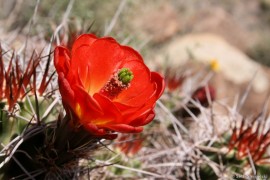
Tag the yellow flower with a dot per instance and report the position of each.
(214, 65)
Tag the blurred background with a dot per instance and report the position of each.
(214, 55)
(236, 34)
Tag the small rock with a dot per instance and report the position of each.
(218, 21)
(234, 65)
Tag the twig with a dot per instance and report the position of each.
(212, 149)
(251, 162)
(32, 21)
(64, 21)
(115, 17)
(56, 100)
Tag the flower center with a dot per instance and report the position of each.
(119, 81)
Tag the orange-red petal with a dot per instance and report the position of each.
(62, 59)
(65, 90)
(84, 40)
(160, 82)
(124, 128)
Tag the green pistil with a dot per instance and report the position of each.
(125, 75)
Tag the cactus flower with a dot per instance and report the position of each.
(106, 86)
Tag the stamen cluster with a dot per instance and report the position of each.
(120, 81)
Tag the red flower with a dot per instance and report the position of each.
(106, 86)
